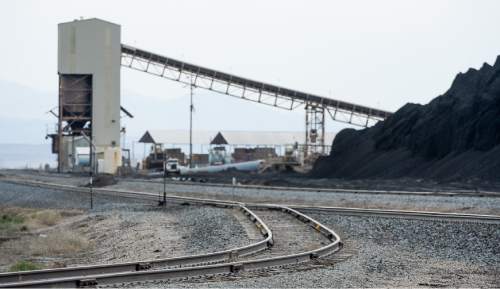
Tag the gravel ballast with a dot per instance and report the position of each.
(391, 253)
(459, 204)
(122, 229)
(462, 204)
(378, 252)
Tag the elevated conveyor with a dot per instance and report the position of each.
(261, 92)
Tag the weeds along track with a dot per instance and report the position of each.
(233, 261)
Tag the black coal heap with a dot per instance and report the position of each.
(456, 136)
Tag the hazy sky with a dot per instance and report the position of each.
(376, 53)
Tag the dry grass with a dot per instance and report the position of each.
(32, 219)
(44, 218)
(27, 233)
(58, 243)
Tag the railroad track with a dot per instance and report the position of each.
(184, 267)
(425, 215)
(285, 228)
(442, 193)
(420, 215)
(305, 208)
(230, 267)
(458, 193)
(193, 260)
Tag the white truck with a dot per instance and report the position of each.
(172, 167)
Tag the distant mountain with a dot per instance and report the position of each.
(23, 117)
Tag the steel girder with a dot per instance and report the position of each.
(246, 89)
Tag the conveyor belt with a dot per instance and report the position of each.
(245, 88)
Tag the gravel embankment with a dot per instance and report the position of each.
(389, 253)
(128, 229)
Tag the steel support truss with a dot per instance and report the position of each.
(315, 131)
(75, 112)
(251, 90)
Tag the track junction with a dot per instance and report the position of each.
(225, 262)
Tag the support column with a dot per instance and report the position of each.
(315, 130)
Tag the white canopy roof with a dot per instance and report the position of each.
(232, 137)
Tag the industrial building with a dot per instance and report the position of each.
(219, 147)
(90, 56)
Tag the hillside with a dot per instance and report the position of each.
(454, 137)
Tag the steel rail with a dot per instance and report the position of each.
(235, 267)
(442, 193)
(340, 210)
(82, 280)
(186, 272)
(183, 261)
(178, 261)
(406, 214)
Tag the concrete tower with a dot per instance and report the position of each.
(89, 56)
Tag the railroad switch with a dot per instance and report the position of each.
(235, 268)
(85, 283)
(142, 266)
(233, 256)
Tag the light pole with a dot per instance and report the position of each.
(91, 165)
(191, 108)
(164, 202)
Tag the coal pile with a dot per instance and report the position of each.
(102, 180)
(454, 137)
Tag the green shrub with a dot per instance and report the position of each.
(25, 266)
(9, 221)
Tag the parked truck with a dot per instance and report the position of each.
(172, 167)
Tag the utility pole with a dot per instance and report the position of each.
(91, 163)
(191, 108)
(164, 202)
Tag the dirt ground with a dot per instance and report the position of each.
(41, 238)
(49, 238)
